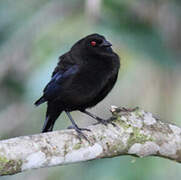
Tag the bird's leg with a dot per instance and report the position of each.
(100, 120)
(77, 129)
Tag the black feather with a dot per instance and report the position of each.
(40, 101)
(82, 78)
(51, 116)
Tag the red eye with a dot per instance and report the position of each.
(93, 43)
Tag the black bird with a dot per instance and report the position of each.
(82, 78)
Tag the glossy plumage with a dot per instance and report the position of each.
(82, 78)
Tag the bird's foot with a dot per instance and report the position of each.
(100, 120)
(77, 129)
(105, 122)
(80, 133)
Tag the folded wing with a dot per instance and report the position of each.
(53, 88)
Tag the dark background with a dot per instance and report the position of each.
(147, 37)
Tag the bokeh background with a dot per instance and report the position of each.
(147, 37)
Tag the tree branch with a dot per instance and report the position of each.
(137, 133)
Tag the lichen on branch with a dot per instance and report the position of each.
(136, 133)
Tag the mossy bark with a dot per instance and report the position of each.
(135, 133)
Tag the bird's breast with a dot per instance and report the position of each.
(90, 85)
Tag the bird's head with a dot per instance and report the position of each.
(94, 44)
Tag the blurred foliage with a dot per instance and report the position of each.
(146, 35)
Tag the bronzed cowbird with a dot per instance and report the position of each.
(82, 78)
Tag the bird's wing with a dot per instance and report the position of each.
(53, 88)
(65, 62)
(64, 70)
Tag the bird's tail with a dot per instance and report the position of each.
(51, 116)
(40, 101)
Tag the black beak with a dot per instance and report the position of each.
(105, 44)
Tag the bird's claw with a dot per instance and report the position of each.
(105, 122)
(81, 129)
(84, 129)
(80, 133)
(102, 121)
